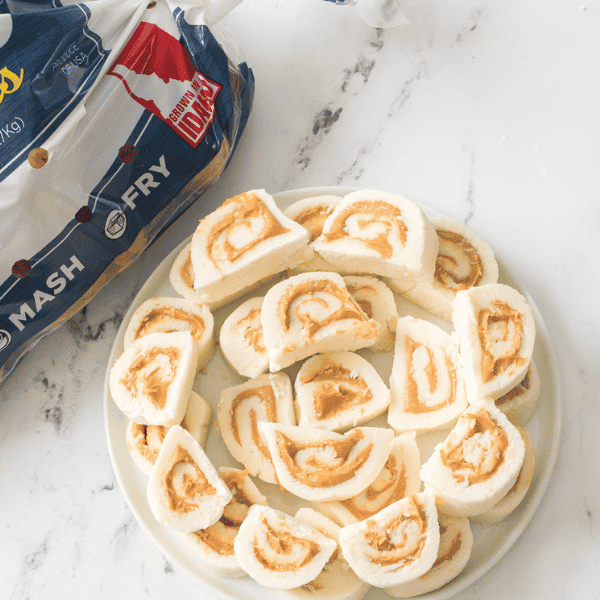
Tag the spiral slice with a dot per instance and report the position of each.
(398, 478)
(456, 543)
(519, 403)
(464, 260)
(241, 339)
(427, 385)
(495, 328)
(212, 547)
(144, 441)
(166, 315)
(152, 380)
(397, 544)
(515, 495)
(476, 465)
(279, 552)
(244, 241)
(185, 491)
(266, 398)
(379, 233)
(339, 390)
(311, 214)
(336, 581)
(311, 313)
(319, 465)
(377, 301)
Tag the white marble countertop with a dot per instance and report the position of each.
(486, 111)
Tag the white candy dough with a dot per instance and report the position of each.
(266, 398)
(456, 543)
(476, 465)
(398, 478)
(185, 491)
(241, 339)
(519, 403)
(319, 465)
(505, 506)
(397, 544)
(212, 547)
(152, 380)
(339, 390)
(377, 301)
(379, 233)
(244, 241)
(165, 315)
(463, 261)
(336, 581)
(311, 214)
(279, 552)
(144, 441)
(495, 328)
(311, 313)
(427, 385)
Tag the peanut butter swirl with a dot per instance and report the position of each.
(475, 455)
(187, 272)
(314, 218)
(250, 214)
(158, 318)
(518, 390)
(449, 546)
(336, 304)
(325, 463)
(268, 405)
(382, 219)
(183, 481)
(221, 535)
(151, 374)
(415, 396)
(389, 487)
(252, 329)
(458, 265)
(336, 390)
(499, 329)
(286, 551)
(402, 541)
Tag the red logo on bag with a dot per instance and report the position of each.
(159, 73)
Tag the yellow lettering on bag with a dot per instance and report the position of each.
(9, 82)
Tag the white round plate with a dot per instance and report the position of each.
(490, 542)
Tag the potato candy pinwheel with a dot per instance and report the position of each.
(379, 233)
(243, 242)
(152, 380)
(311, 313)
(185, 491)
(278, 551)
(476, 465)
(165, 315)
(397, 544)
(339, 390)
(266, 398)
(319, 465)
(427, 385)
(495, 328)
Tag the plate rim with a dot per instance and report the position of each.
(454, 586)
